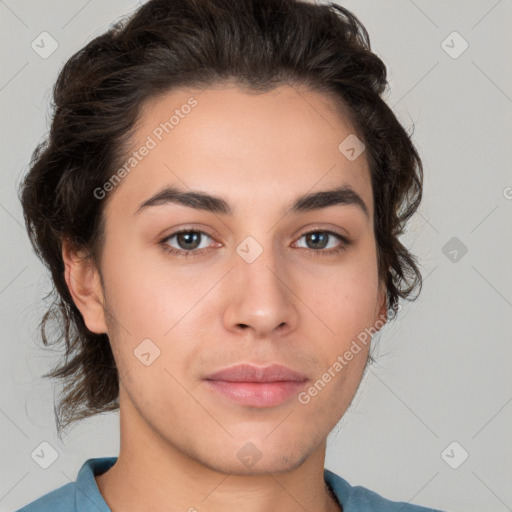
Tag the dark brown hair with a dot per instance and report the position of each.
(166, 44)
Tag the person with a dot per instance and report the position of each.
(219, 202)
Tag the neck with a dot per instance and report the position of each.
(153, 474)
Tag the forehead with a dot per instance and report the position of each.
(232, 142)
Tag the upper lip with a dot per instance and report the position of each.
(251, 373)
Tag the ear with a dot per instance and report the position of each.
(381, 310)
(84, 285)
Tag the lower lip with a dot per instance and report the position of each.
(257, 394)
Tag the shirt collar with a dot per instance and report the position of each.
(89, 498)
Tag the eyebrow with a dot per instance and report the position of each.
(343, 195)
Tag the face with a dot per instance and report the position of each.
(250, 280)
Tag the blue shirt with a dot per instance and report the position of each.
(83, 495)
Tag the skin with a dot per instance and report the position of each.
(292, 305)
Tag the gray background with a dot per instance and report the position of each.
(443, 368)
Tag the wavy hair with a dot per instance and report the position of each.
(167, 44)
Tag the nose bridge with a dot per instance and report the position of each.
(261, 298)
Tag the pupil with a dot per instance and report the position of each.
(187, 238)
(315, 238)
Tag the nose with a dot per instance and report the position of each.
(260, 298)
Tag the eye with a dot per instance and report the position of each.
(322, 242)
(188, 241)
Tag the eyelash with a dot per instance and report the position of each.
(345, 242)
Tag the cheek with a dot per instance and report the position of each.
(344, 297)
(148, 296)
(346, 309)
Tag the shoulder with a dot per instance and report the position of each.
(82, 495)
(59, 500)
(361, 499)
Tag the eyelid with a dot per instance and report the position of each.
(185, 230)
(317, 229)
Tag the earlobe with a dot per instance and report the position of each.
(384, 306)
(382, 315)
(83, 281)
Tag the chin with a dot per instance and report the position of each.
(275, 464)
(258, 457)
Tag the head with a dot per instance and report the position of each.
(257, 104)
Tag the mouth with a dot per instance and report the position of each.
(255, 386)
